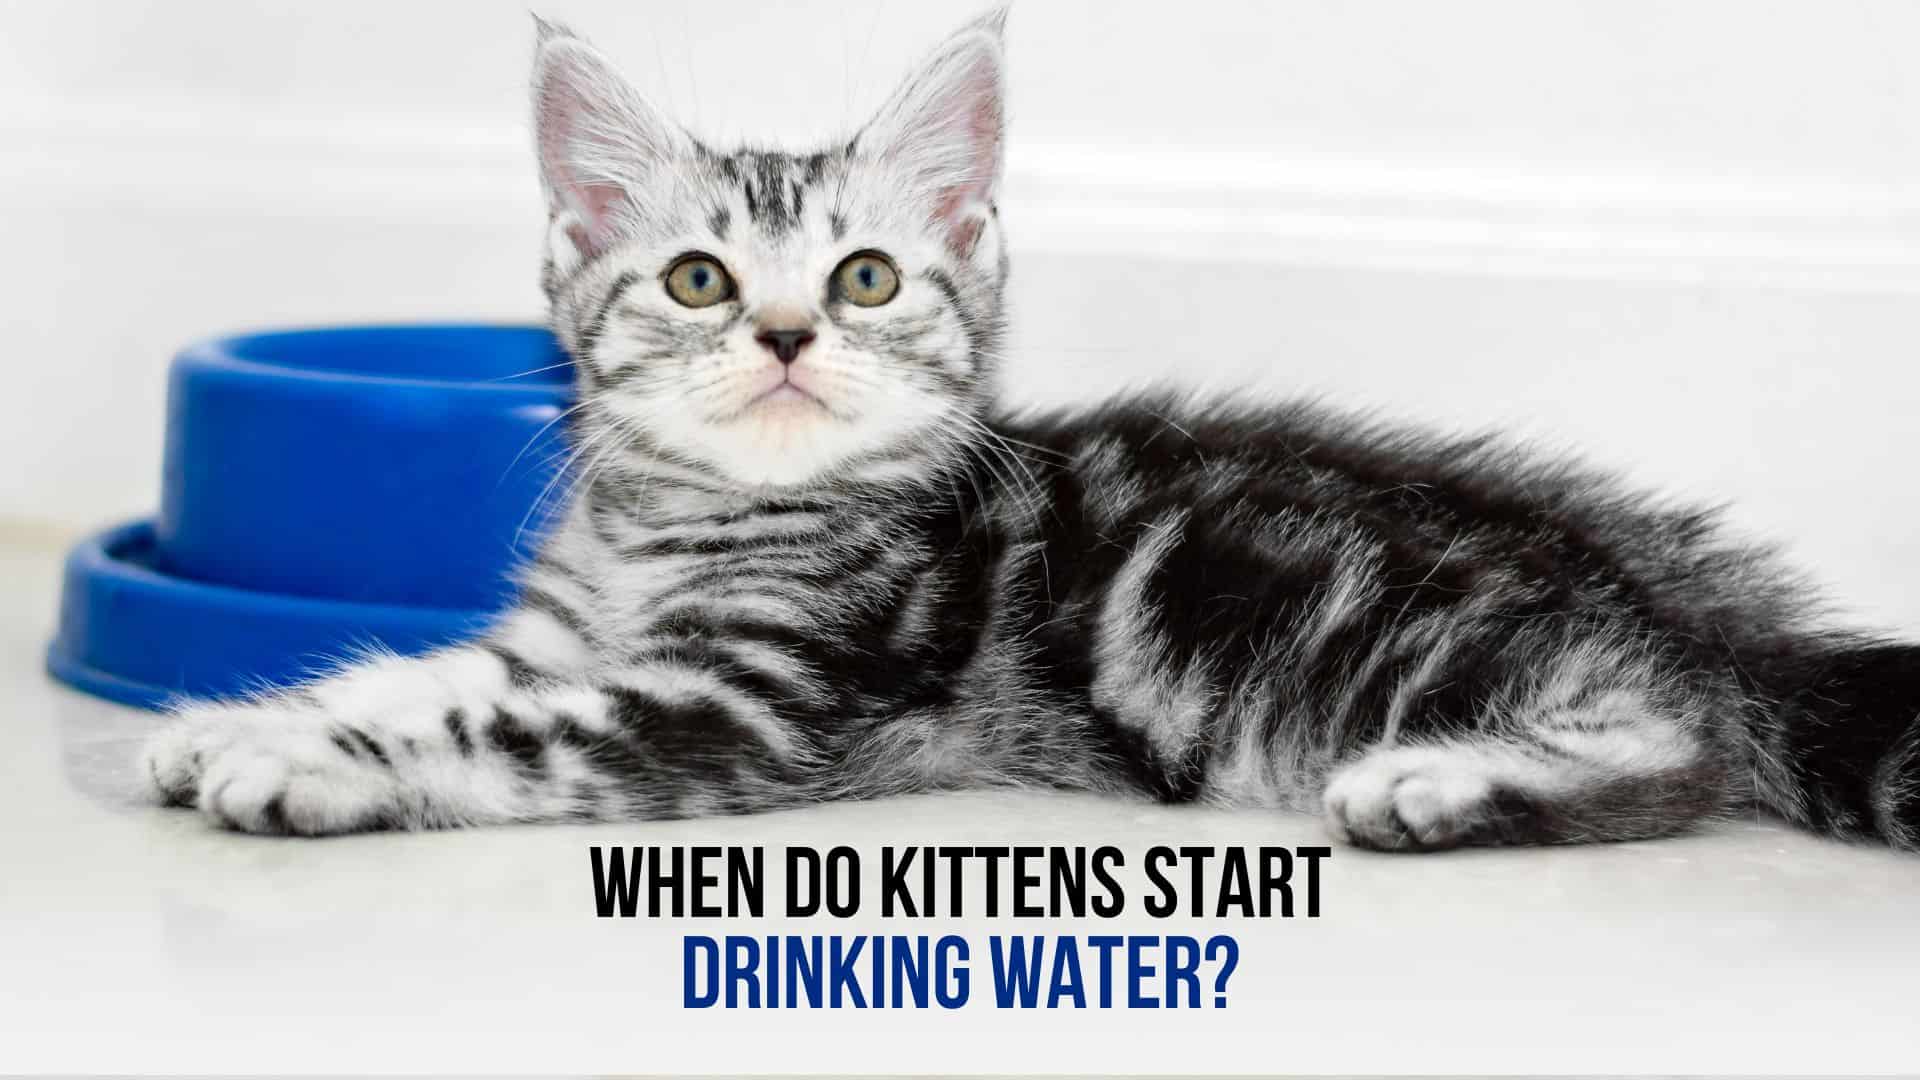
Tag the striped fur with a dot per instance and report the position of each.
(852, 576)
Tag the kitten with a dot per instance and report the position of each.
(808, 560)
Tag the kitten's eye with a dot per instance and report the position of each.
(698, 281)
(867, 279)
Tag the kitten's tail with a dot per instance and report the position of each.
(1843, 755)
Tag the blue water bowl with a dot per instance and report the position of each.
(323, 490)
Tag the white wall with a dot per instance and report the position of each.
(1679, 235)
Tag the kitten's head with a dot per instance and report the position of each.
(777, 319)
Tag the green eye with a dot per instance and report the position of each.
(867, 279)
(698, 281)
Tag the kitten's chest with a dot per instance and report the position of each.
(791, 569)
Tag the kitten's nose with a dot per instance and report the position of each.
(786, 344)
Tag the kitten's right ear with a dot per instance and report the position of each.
(597, 139)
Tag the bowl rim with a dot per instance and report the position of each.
(223, 353)
(97, 561)
(102, 554)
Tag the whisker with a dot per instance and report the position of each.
(532, 371)
(535, 437)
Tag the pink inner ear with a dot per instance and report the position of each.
(978, 97)
(963, 229)
(562, 111)
(982, 93)
(596, 204)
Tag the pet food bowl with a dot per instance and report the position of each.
(323, 491)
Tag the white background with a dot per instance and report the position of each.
(1680, 237)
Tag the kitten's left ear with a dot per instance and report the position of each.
(944, 127)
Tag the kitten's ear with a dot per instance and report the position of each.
(944, 127)
(597, 139)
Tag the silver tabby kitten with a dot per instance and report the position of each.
(808, 560)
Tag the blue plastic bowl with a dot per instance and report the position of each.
(323, 490)
(390, 464)
(134, 634)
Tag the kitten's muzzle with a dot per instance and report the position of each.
(784, 344)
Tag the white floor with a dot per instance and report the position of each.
(139, 939)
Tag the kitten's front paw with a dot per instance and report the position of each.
(176, 756)
(272, 769)
(1414, 799)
